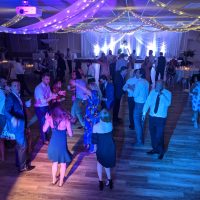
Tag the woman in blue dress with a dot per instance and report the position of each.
(57, 151)
(92, 111)
(195, 93)
(91, 114)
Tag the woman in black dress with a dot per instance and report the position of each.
(57, 151)
(105, 147)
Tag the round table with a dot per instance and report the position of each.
(185, 72)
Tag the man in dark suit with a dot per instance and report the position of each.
(118, 85)
(107, 90)
(160, 69)
(15, 115)
(61, 67)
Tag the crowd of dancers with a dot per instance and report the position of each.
(95, 105)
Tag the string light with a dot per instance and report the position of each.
(123, 31)
(71, 18)
(149, 22)
(100, 25)
(175, 11)
(13, 21)
(78, 13)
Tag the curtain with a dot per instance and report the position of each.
(93, 43)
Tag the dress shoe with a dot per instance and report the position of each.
(28, 168)
(109, 183)
(60, 184)
(80, 127)
(54, 183)
(152, 152)
(101, 185)
(160, 157)
(131, 127)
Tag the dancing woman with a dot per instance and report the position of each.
(57, 151)
(105, 147)
(92, 111)
(91, 114)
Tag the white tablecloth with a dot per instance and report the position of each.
(185, 73)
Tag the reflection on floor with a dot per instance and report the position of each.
(136, 176)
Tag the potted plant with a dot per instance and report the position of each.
(188, 53)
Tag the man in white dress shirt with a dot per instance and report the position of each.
(140, 95)
(130, 83)
(158, 102)
(43, 96)
(81, 96)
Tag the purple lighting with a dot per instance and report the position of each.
(77, 12)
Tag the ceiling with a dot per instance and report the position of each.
(112, 16)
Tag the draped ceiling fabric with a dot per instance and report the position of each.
(77, 12)
(94, 43)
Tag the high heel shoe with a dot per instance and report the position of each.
(109, 183)
(60, 185)
(101, 185)
(54, 183)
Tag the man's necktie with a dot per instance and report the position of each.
(157, 104)
(104, 91)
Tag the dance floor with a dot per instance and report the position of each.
(136, 175)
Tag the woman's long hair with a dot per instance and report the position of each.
(58, 113)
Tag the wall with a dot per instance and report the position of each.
(27, 44)
(62, 41)
(191, 41)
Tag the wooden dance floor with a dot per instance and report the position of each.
(137, 176)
